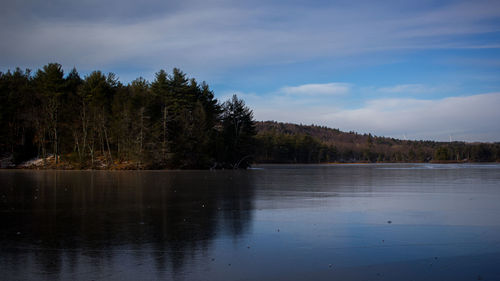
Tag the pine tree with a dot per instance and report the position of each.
(50, 85)
(239, 131)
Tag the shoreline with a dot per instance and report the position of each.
(131, 167)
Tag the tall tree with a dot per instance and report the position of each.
(50, 85)
(239, 131)
(131, 120)
(161, 91)
(70, 117)
(97, 92)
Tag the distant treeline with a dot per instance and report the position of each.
(291, 143)
(97, 122)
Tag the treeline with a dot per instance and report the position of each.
(291, 143)
(97, 122)
(175, 122)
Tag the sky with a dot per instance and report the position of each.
(405, 69)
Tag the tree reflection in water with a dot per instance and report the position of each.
(57, 219)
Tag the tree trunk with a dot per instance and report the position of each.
(84, 127)
(141, 136)
(77, 145)
(56, 151)
(164, 148)
(107, 144)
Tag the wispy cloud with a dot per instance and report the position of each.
(227, 40)
(229, 35)
(317, 89)
(413, 89)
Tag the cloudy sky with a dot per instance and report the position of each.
(415, 69)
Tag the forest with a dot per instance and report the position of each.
(292, 143)
(96, 122)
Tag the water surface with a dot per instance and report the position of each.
(275, 222)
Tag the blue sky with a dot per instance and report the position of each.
(415, 69)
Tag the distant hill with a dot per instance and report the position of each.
(291, 143)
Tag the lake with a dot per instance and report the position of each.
(273, 222)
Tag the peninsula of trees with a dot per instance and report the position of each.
(96, 122)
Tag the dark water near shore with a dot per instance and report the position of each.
(312, 222)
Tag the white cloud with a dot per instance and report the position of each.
(410, 89)
(317, 89)
(470, 118)
(466, 118)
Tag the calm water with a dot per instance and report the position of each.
(314, 222)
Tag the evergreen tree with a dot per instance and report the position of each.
(70, 117)
(50, 86)
(163, 112)
(96, 93)
(238, 129)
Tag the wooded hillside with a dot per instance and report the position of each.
(292, 143)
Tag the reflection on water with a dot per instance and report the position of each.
(56, 221)
(297, 222)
